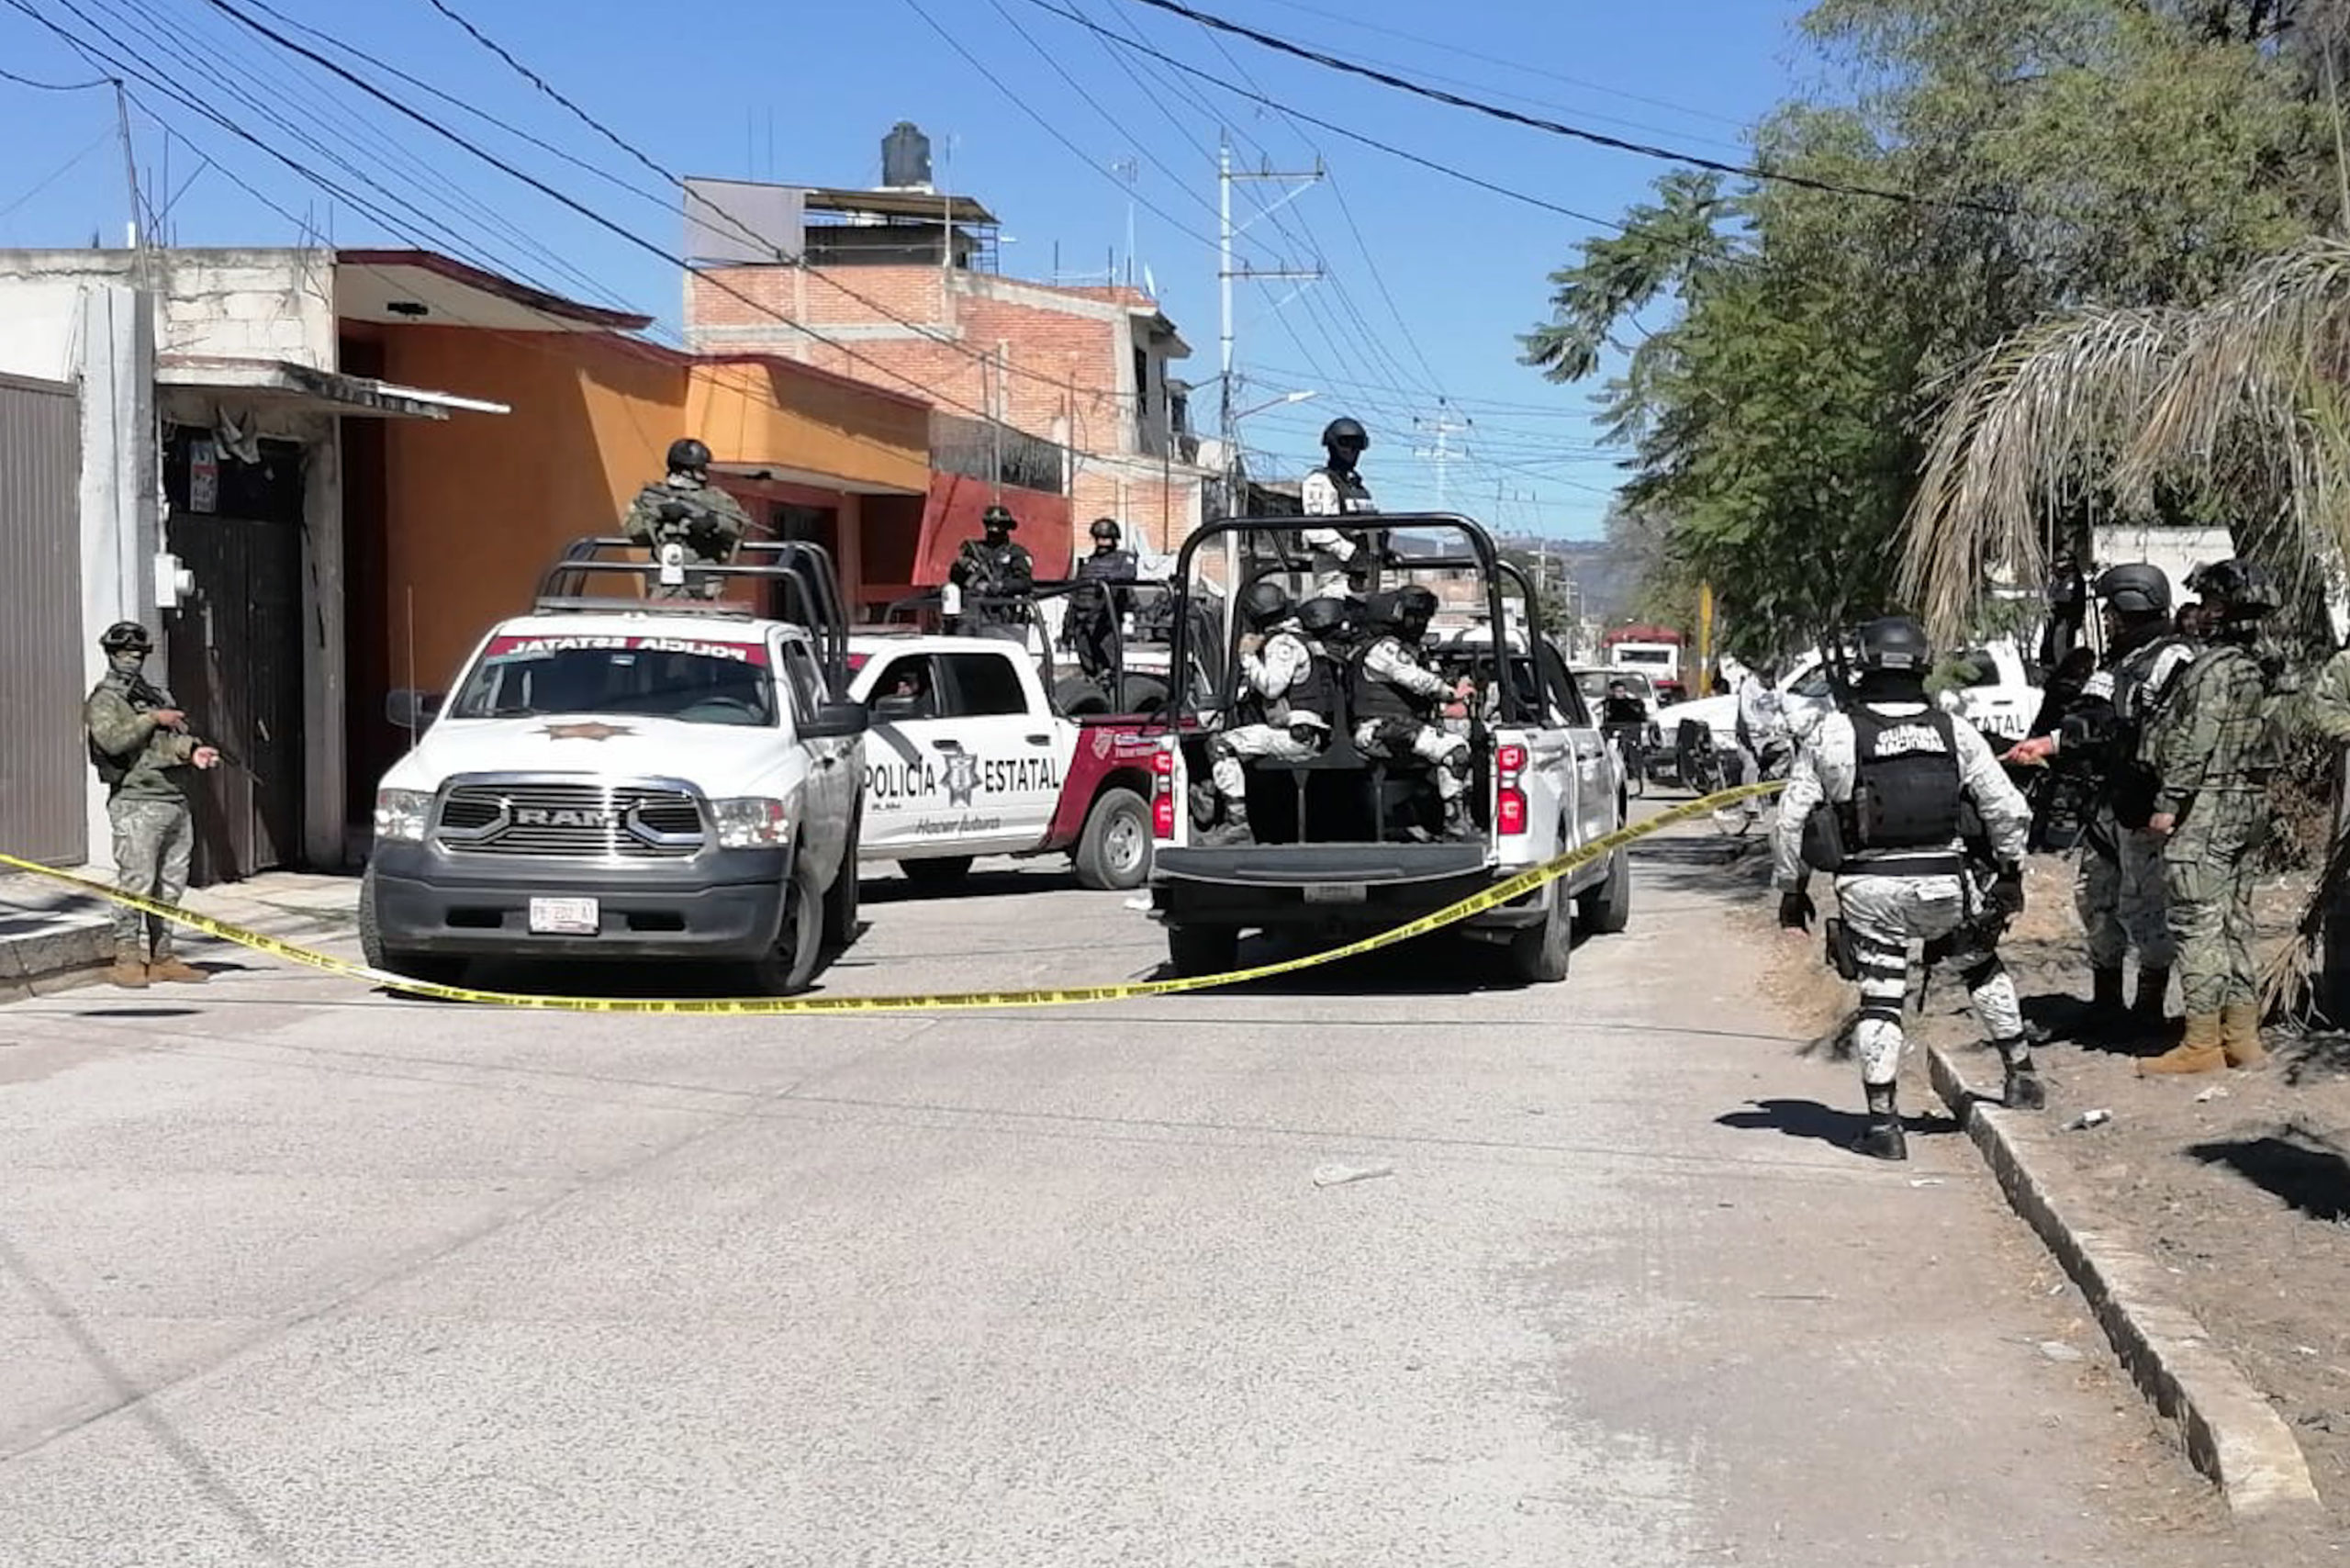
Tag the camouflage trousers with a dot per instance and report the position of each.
(1885, 914)
(2207, 871)
(2121, 899)
(153, 840)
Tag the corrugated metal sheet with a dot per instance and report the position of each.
(44, 761)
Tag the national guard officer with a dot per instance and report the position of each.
(1097, 604)
(1397, 699)
(687, 510)
(1335, 490)
(2118, 885)
(1287, 693)
(2212, 758)
(1879, 796)
(140, 747)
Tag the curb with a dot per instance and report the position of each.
(67, 949)
(2229, 1432)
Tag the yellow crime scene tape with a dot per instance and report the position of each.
(1516, 886)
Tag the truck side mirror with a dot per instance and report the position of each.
(835, 720)
(411, 710)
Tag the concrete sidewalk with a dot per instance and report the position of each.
(52, 936)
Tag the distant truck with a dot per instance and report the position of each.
(1653, 651)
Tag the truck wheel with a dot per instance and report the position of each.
(1114, 852)
(840, 902)
(432, 968)
(1607, 908)
(1079, 696)
(1144, 694)
(790, 967)
(1539, 953)
(1202, 949)
(930, 876)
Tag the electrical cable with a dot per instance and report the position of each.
(1552, 127)
(8, 75)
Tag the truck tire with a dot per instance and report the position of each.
(789, 967)
(1195, 950)
(1144, 694)
(1607, 908)
(1114, 850)
(432, 968)
(841, 899)
(1081, 696)
(1539, 953)
(932, 876)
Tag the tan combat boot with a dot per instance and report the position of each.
(167, 967)
(2200, 1051)
(2240, 1033)
(129, 971)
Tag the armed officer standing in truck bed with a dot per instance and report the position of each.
(686, 508)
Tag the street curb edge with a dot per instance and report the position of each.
(2229, 1432)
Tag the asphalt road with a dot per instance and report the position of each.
(291, 1272)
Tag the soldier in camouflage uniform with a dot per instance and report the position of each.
(686, 508)
(140, 745)
(2212, 760)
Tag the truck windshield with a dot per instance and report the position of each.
(697, 683)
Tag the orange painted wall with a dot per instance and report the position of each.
(477, 505)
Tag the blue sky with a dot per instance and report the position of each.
(803, 92)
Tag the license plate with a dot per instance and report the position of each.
(1335, 893)
(565, 917)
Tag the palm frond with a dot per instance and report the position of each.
(2040, 416)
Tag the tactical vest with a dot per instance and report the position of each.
(1373, 697)
(1317, 687)
(1908, 791)
(1354, 500)
(2130, 784)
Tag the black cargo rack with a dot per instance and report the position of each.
(808, 588)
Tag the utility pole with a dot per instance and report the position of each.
(1227, 272)
(1444, 427)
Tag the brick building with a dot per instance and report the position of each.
(900, 283)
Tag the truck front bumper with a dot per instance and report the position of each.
(721, 905)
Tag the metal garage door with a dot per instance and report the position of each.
(44, 762)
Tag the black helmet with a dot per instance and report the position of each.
(998, 517)
(2243, 589)
(1263, 602)
(124, 635)
(1321, 616)
(687, 456)
(1415, 607)
(2136, 589)
(1895, 643)
(1104, 527)
(1347, 434)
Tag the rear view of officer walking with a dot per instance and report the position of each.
(140, 747)
(1878, 796)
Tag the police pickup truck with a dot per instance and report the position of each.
(969, 754)
(630, 778)
(1348, 842)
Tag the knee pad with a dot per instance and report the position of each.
(1456, 761)
(1878, 1013)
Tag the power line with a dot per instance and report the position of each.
(1355, 136)
(7, 75)
(1555, 128)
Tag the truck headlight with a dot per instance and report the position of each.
(751, 821)
(401, 815)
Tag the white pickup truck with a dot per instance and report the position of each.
(969, 754)
(630, 779)
(1343, 846)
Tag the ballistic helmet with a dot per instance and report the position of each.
(1322, 616)
(1898, 644)
(124, 635)
(2136, 589)
(998, 517)
(1415, 608)
(2242, 589)
(687, 456)
(1104, 531)
(1263, 602)
(1347, 434)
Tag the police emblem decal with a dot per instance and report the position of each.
(962, 778)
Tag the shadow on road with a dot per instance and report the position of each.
(1822, 1123)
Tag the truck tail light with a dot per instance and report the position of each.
(1162, 792)
(1509, 798)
